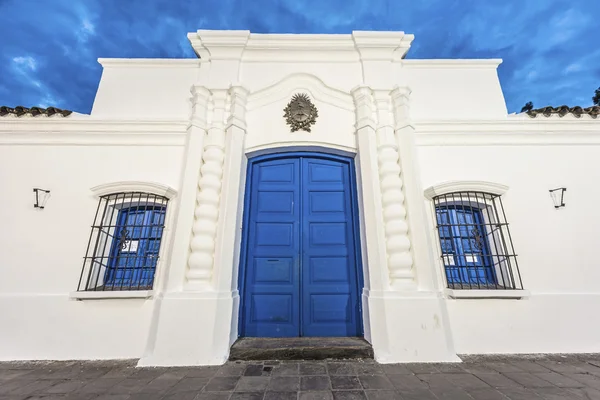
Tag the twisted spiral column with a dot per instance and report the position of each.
(206, 213)
(398, 244)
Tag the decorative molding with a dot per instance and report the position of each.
(364, 104)
(286, 87)
(206, 213)
(150, 62)
(381, 46)
(135, 186)
(219, 44)
(300, 48)
(313, 145)
(514, 131)
(508, 139)
(92, 139)
(87, 123)
(238, 96)
(513, 123)
(491, 63)
(383, 109)
(487, 294)
(200, 102)
(465, 186)
(401, 106)
(88, 131)
(398, 246)
(253, 47)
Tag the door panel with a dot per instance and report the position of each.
(271, 298)
(329, 287)
(301, 272)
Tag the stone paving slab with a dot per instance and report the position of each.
(547, 377)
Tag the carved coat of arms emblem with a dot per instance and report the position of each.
(300, 113)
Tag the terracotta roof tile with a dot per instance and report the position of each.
(33, 111)
(577, 111)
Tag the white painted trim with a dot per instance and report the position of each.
(565, 138)
(487, 294)
(150, 62)
(315, 87)
(461, 63)
(464, 186)
(256, 47)
(91, 139)
(117, 294)
(88, 123)
(299, 146)
(88, 131)
(306, 42)
(135, 186)
(507, 125)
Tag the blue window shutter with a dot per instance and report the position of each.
(465, 248)
(132, 263)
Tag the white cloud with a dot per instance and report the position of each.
(25, 62)
(575, 67)
(567, 25)
(88, 27)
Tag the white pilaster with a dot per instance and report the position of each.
(206, 214)
(405, 140)
(375, 273)
(399, 258)
(174, 274)
(227, 256)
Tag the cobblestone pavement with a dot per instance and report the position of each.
(485, 378)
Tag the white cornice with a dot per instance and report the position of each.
(300, 82)
(306, 42)
(219, 44)
(89, 131)
(385, 46)
(510, 124)
(134, 186)
(507, 132)
(465, 186)
(299, 47)
(91, 124)
(491, 63)
(150, 62)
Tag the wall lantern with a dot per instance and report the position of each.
(41, 197)
(558, 197)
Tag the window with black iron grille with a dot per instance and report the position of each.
(124, 243)
(476, 246)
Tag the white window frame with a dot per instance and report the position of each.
(152, 188)
(447, 188)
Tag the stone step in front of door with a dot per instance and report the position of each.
(308, 348)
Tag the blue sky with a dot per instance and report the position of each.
(49, 48)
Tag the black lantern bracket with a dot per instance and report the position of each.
(41, 197)
(558, 197)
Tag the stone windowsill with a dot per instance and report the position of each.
(116, 294)
(486, 294)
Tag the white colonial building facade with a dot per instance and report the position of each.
(298, 185)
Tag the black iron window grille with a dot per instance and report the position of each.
(476, 246)
(124, 244)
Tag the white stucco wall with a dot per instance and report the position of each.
(42, 250)
(555, 247)
(191, 125)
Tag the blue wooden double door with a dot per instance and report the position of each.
(300, 271)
